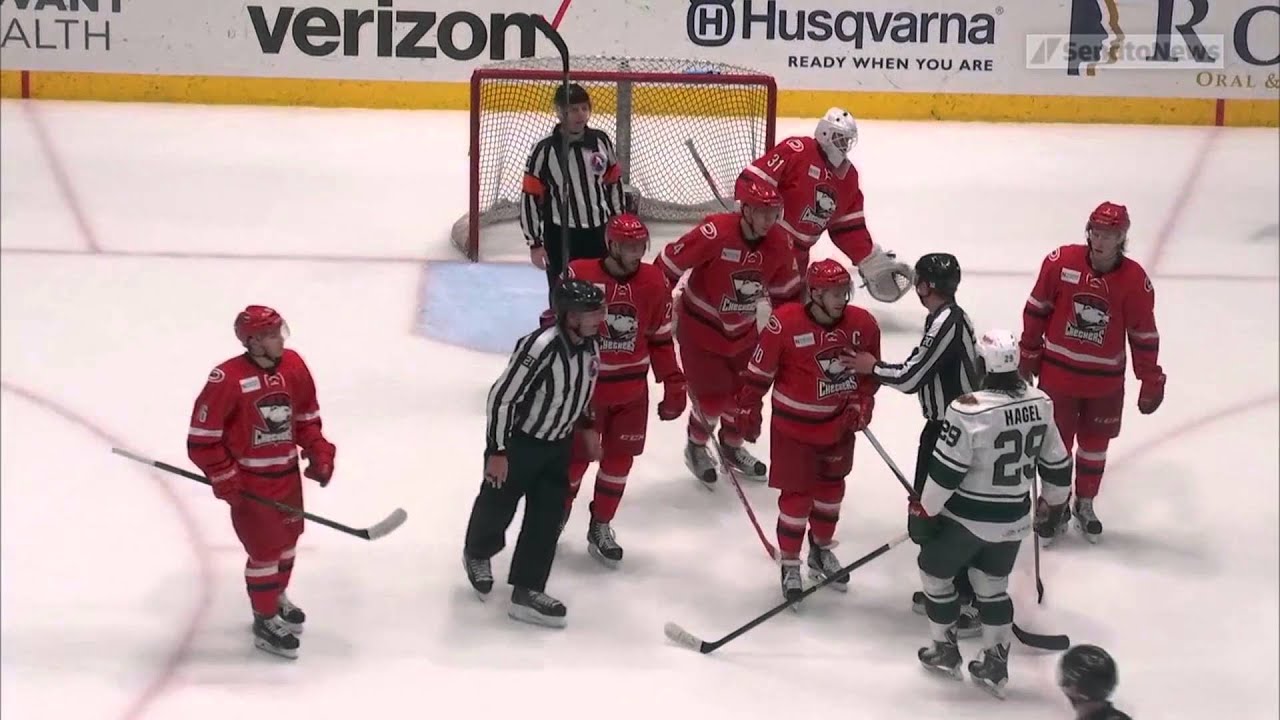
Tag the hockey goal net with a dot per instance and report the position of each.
(649, 106)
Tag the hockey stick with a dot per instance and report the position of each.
(684, 638)
(373, 532)
(563, 50)
(1035, 545)
(706, 174)
(1030, 639)
(733, 478)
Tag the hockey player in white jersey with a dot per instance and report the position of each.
(975, 508)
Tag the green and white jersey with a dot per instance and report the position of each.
(986, 458)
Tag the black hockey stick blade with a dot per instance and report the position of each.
(1057, 643)
(1039, 591)
(685, 639)
(379, 529)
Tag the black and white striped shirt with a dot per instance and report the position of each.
(544, 390)
(942, 368)
(594, 185)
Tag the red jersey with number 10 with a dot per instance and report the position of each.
(800, 357)
(1080, 320)
(728, 277)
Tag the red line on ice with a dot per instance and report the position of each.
(564, 7)
(167, 672)
(1181, 200)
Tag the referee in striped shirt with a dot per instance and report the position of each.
(943, 367)
(542, 397)
(593, 187)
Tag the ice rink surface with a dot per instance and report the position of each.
(132, 234)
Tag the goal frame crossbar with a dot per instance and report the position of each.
(624, 78)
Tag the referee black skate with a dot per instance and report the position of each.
(592, 188)
(540, 400)
(940, 369)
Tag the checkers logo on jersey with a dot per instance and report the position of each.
(621, 326)
(835, 377)
(748, 289)
(1091, 314)
(823, 207)
(276, 412)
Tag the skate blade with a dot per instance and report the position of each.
(838, 586)
(270, 649)
(594, 552)
(996, 690)
(533, 617)
(953, 673)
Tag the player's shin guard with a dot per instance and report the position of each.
(942, 605)
(995, 608)
(703, 422)
(1091, 461)
(262, 580)
(793, 516)
(611, 482)
(827, 495)
(285, 566)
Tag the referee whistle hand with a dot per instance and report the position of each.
(864, 363)
(495, 470)
(538, 256)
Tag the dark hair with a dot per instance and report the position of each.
(1006, 382)
(577, 94)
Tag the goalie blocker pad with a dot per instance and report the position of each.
(885, 279)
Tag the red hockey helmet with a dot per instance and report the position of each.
(1109, 216)
(758, 194)
(626, 228)
(826, 274)
(257, 320)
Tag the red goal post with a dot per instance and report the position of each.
(648, 106)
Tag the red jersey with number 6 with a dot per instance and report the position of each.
(801, 358)
(816, 197)
(1080, 319)
(252, 420)
(636, 332)
(729, 277)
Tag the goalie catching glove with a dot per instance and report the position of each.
(884, 278)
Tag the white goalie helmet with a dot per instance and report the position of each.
(999, 351)
(837, 133)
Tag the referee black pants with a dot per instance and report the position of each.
(583, 243)
(924, 455)
(538, 471)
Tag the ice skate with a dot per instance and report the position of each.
(968, 625)
(942, 657)
(479, 574)
(1088, 521)
(699, 462)
(990, 669)
(744, 462)
(1050, 525)
(291, 614)
(792, 583)
(537, 608)
(603, 545)
(271, 634)
(823, 564)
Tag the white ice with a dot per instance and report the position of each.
(122, 590)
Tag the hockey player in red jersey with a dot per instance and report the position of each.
(635, 335)
(806, 352)
(1088, 300)
(253, 414)
(820, 191)
(733, 261)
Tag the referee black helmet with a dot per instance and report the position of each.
(941, 271)
(574, 295)
(1087, 673)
